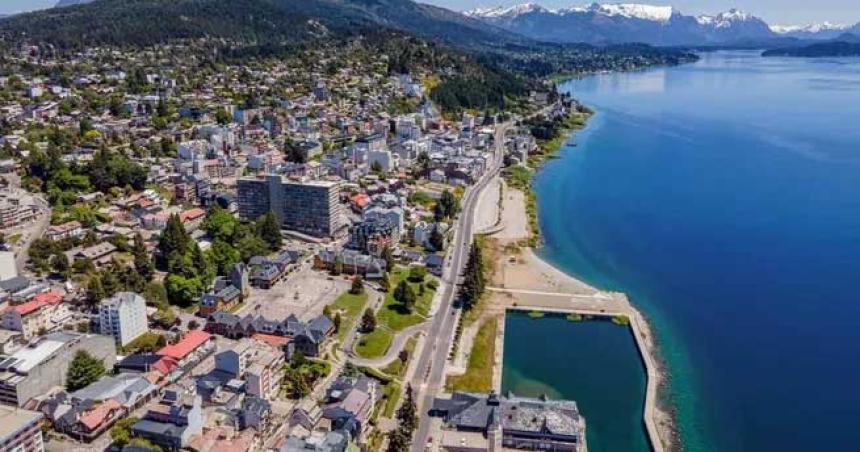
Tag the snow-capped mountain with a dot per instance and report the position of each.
(626, 22)
(824, 30)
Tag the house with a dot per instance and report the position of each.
(64, 231)
(191, 219)
(304, 337)
(43, 313)
(88, 412)
(190, 350)
(227, 292)
(260, 365)
(99, 254)
(353, 262)
(173, 422)
(333, 441)
(349, 403)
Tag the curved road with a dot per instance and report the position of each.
(430, 370)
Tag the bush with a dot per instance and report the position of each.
(417, 274)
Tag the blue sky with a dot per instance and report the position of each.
(773, 11)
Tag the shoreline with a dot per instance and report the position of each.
(658, 414)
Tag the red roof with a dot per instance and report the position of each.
(49, 297)
(360, 200)
(189, 343)
(191, 214)
(38, 302)
(95, 417)
(272, 340)
(164, 365)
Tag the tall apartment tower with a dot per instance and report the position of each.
(123, 316)
(310, 207)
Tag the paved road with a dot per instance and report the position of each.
(430, 370)
(32, 232)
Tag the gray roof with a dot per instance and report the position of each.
(515, 414)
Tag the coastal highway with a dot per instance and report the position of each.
(429, 377)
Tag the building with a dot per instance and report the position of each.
(43, 313)
(123, 316)
(373, 235)
(260, 365)
(349, 403)
(64, 231)
(495, 423)
(37, 368)
(308, 207)
(20, 430)
(173, 422)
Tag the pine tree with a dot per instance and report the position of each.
(95, 290)
(398, 441)
(83, 371)
(385, 283)
(407, 414)
(368, 321)
(173, 239)
(142, 261)
(388, 256)
(357, 286)
(473, 284)
(270, 231)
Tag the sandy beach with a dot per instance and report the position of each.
(520, 279)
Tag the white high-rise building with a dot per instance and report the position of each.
(123, 316)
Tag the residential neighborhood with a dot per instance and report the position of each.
(246, 257)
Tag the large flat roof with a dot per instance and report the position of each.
(33, 354)
(13, 420)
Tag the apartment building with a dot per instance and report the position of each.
(123, 316)
(307, 206)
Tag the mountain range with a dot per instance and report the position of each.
(656, 25)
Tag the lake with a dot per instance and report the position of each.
(724, 198)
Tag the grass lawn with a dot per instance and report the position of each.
(391, 394)
(479, 371)
(350, 307)
(393, 314)
(397, 367)
(373, 345)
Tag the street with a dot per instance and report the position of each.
(429, 378)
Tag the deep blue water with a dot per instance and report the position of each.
(594, 363)
(724, 198)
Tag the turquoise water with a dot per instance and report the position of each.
(724, 198)
(594, 363)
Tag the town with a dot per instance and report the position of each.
(266, 255)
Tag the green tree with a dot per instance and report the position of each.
(337, 321)
(405, 295)
(385, 283)
(142, 261)
(250, 246)
(174, 240)
(182, 291)
(474, 283)
(221, 224)
(95, 291)
(294, 153)
(223, 256)
(60, 263)
(407, 414)
(437, 239)
(201, 265)
(357, 285)
(269, 230)
(417, 274)
(83, 371)
(388, 256)
(368, 321)
(120, 433)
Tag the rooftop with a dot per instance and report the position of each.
(13, 420)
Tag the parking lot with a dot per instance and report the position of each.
(304, 293)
